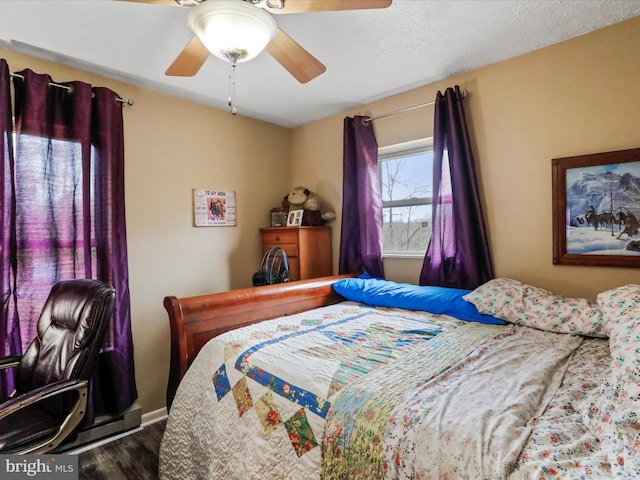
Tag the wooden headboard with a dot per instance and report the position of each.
(195, 320)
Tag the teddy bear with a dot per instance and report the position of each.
(303, 198)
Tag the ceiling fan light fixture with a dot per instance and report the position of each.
(232, 29)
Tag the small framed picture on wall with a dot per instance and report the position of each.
(214, 208)
(295, 218)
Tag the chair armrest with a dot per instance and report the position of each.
(38, 394)
(73, 419)
(10, 361)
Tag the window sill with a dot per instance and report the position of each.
(411, 255)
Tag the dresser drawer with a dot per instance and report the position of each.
(291, 249)
(277, 238)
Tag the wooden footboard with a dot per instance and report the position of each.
(195, 320)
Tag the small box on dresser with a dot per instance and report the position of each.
(308, 249)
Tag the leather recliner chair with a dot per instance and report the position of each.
(52, 377)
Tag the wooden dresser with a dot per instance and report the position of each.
(308, 249)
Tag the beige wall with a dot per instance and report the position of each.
(577, 97)
(172, 146)
(581, 96)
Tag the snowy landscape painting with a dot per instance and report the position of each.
(600, 197)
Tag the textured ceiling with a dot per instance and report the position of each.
(369, 54)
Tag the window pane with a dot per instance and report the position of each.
(406, 186)
(405, 177)
(406, 229)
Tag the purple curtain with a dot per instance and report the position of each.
(361, 233)
(70, 214)
(9, 328)
(458, 255)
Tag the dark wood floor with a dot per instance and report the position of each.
(132, 457)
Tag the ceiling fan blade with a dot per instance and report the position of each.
(295, 59)
(302, 6)
(190, 59)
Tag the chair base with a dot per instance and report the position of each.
(104, 427)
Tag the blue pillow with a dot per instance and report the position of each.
(438, 300)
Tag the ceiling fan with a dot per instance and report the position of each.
(238, 30)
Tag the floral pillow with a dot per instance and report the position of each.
(612, 412)
(534, 307)
(621, 311)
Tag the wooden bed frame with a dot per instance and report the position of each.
(195, 320)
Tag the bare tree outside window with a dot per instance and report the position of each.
(405, 172)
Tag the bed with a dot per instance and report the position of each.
(344, 377)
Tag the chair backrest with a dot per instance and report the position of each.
(71, 330)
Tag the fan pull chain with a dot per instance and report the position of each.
(232, 89)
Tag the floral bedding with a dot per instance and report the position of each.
(351, 391)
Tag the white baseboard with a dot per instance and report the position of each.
(104, 441)
(153, 417)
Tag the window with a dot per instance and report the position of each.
(405, 172)
(48, 221)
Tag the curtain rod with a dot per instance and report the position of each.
(125, 101)
(403, 110)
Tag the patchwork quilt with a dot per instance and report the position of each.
(351, 391)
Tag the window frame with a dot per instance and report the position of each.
(403, 149)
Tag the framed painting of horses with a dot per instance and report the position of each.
(596, 209)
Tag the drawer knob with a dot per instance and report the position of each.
(277, 239)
